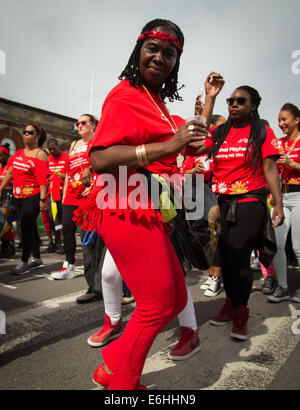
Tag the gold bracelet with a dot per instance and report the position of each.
(138, 156)
(144, 155)
(141, 155)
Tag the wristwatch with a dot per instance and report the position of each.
(43, 200)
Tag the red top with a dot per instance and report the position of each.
(130, 117)
(28, 174)
(57, 165)
(232, 172)
(78, 161)
(190, 163)
(3, 172)
(289, 175)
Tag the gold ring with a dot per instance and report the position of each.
(191, 127)
(191, 133)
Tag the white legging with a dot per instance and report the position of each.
(291, 208)
(112, 295)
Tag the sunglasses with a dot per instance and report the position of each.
(29, 132)
(77, 123)
(239, 100)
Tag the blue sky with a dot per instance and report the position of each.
(52, 47)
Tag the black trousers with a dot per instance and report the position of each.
(93, 255)
(69, 230)
(28, 210)
(236, 243)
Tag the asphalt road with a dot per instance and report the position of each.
(45, 345)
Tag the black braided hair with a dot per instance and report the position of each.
(258, 132)
(131, 71)
(293, 109)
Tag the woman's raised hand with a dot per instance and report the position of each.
(213, 84)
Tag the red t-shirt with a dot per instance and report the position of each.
(57, 165)
(77, 162)
(289, 175)
(3, 172)
(232, 172)
(129, 117)
(28, 174)
(190, 163)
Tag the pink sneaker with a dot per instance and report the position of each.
(240, 320)
(187, 346)
(107, 333)
(225, 316)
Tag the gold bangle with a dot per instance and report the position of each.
(141, 155)
(138, 156)
(144, 155)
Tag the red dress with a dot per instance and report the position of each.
(136, 238)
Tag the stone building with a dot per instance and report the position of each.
(15, 116)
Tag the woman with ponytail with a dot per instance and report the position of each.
(78, 181)
(245, 153)
(289, 169)
(29, 173)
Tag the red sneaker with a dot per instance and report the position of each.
(187, 346)
(240, 320)
(107, 333)
(101, 376)
(226, 314)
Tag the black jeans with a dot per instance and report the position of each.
(69, 230)
(236, 243)
(28, 210)
(93, 255)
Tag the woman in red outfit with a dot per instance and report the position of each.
(29, 172)
(78, 168)
(245, 153)
(136, 131)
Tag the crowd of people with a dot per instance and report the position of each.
(143, 250)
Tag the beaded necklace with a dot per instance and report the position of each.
(289, 149)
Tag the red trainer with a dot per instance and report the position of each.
(226, 314)
(187, 346)
(240, 320)
(101, 376)
(107, 333)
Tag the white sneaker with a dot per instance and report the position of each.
(255, 264)
(67, 272)
(206, 284)
(214, 288)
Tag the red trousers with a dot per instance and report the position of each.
(149, 266)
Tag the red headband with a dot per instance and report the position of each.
(5, 150)
(38, 127)
(163, 36)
